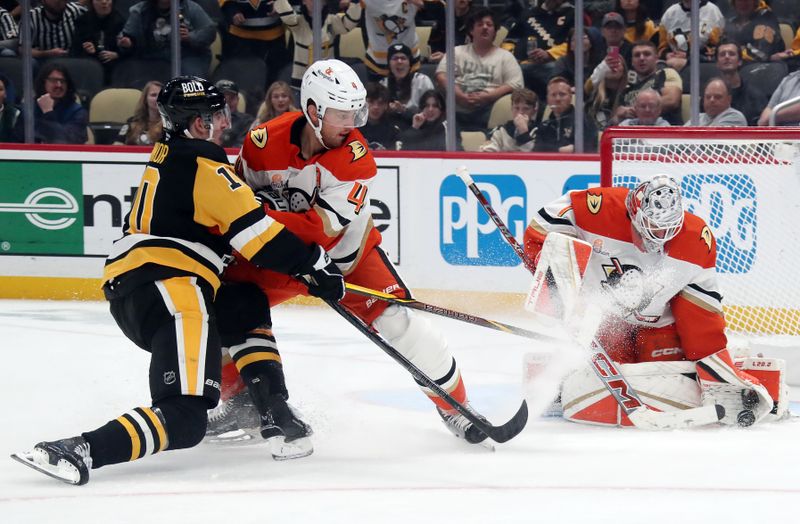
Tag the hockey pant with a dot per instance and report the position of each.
(173, 320)
(409, 333)
(628, 343)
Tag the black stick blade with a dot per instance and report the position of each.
(510, 429)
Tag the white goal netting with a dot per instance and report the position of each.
(746, 185)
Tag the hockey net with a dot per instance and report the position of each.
(745, 183)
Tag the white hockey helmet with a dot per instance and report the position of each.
(656, 211)
(332, 84)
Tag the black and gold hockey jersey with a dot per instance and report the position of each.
(189, 211)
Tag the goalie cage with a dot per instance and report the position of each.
(745, 183)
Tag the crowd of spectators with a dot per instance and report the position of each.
(635, 55)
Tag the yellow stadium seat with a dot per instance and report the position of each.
(216, 51)
(472, 140)
(501, 112)
(351, 45)
(424, 34)
(787, 34)
(113, 105)
(686, 107)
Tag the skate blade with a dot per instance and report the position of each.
(295, 449)
(237, 437)
(56, 472)
(486, 444)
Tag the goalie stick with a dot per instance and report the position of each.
(641, 415)
(449, 313)
(502, 433)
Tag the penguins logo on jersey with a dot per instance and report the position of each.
(593, 202)
(357, 149)
(630, 289)
(392, 26)
(707, 237)
(259, 137)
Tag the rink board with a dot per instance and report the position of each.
(61, 209)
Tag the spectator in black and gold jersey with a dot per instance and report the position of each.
(757, 31)
(538, 37)
(255, 30)
(674, 33)
(648, 74)
(638, 25)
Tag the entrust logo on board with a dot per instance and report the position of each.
(468, 237)
(41, 209)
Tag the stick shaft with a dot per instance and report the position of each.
(448, 313)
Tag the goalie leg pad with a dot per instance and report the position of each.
(664, 386)
(424, 345)
(745, 399)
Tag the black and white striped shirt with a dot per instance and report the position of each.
(59, 34)
(8, 27)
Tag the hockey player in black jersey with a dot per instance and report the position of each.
(161, 279)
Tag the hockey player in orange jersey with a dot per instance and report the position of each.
(656, 262)
(313, 169)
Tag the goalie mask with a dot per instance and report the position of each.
(656, 211)
(338, 94)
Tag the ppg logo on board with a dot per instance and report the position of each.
(468, 237)
(729, 205)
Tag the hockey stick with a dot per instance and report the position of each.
(641, 415)
(499, 434)
(448, 313)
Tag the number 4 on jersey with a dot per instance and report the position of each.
(358, 196)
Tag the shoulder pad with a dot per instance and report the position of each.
(352, 161)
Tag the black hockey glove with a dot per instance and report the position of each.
(274, 199)
(323, 278)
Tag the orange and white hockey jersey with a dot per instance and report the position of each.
(656, 295)
(328, 194)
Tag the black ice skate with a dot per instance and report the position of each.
(461, 427)
(67, 460)
(282, 427)
(234, 421)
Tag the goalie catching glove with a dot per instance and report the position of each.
(323, 278)
(745, 400)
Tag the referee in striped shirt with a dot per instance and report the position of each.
(8, 34)
(53, 27)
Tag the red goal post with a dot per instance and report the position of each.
(745, 183)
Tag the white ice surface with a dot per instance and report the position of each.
(382, 455)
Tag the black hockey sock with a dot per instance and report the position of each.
(139, 432)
